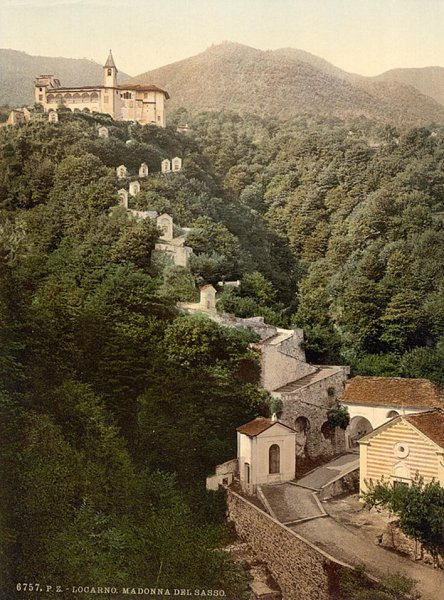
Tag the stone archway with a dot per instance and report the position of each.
(302, 427)
(359, 426)
(392, 414)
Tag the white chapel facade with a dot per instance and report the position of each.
(130, 102)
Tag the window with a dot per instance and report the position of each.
(401, 450)
(40, 89)
(274, 459)
(40, 96)
(247, 473)
(109, 72)
(400, 483)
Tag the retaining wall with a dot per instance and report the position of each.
(302, 571)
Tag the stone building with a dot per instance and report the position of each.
(402, 448)
(373, 401)
(143, 170)
(53, 116)
(306, 391)
(265, 456)
(18, 115)
(123, 198)
(103, 132)
(134, 188)
(122, 172)
(130, 102)
(165, 223)
(165, 166)
(176, 164)
(207, 303)
(174, 247)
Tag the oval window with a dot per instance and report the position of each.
(401, 450)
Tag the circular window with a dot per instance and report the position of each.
(401, 450)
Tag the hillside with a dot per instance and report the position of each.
(18, 70)
(286, 83)
(428, 80)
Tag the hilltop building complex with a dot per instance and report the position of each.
(130, 102)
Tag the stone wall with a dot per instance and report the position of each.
(312, 402)
(302, 571)
(394, 539)
(346, 484)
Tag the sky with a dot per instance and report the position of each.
(361, 36)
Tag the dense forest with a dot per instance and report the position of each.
(114, 405)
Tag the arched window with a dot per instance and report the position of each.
(392, 414)
(274, 459)
(109, 72)
(302, 425)
(67, 98)
(94, 97)
(85, 97)
(247, 473)
(50, 98)
(76, 97)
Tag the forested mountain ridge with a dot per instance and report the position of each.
(428, 80)
(362, 208)
(285, 83)
(107, 428)
(334, 226)
(18, 71)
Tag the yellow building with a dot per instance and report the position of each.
(131, 102)
(403, 448)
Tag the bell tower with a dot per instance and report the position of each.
(110, 72)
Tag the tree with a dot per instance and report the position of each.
(419, 506)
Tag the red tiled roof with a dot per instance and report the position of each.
(258, 426)
(392, 391)
(138, 87)
(430, 424)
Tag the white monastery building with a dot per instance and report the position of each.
(130, 102)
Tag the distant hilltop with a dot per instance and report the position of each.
(275, 83)
(18, 71)
(290, 82)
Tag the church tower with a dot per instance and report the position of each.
(110, 72)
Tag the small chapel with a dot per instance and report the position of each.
(144, 103)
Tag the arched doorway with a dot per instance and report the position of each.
(359, 426)
(301, 427)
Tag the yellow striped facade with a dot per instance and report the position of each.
(378, 457)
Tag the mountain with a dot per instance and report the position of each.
(18, 70)
(242, 79)
(428, 80)
(286, 82)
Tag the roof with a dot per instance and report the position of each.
(110, 62)
(392, 391)
(430, 424)
(138, 87)
(258, 426)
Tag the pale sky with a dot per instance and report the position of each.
(362, 36)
